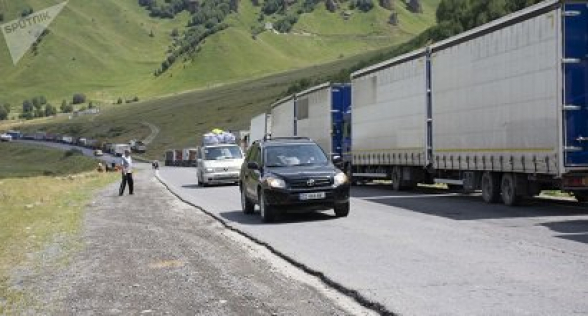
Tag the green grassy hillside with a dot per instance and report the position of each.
(104, 49)
(183, 118)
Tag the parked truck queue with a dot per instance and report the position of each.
(501, 108)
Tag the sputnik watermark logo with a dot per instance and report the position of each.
(20, 34)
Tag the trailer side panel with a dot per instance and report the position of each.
(496, 99)
(389, 115)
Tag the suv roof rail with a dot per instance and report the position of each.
(292, 138)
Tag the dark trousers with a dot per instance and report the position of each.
(126, 177)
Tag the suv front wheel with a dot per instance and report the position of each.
(246, 204)
(342, 210)
(268, 213)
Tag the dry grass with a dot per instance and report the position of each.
(34, 212)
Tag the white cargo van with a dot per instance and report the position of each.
(218, 164)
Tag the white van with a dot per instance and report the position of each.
(218, 164)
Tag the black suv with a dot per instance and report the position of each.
(291, 175)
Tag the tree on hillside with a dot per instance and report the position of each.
(79, 98)
(1, 17)
(3, 113)
(37, 102)
(271, 6)
(26, 12)
(7, 107)
(362, 5)
(387, 4)
(39, 113)
(27, 106)
(50, 110)
(43, 100)
(414, 6)
(234, 5)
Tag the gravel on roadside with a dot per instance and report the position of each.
(150, 254)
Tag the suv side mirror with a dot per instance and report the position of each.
(337, 159)
(252, 165)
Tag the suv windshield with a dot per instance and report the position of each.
(222, 152)
(294, 155)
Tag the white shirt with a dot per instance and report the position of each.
(127, 164)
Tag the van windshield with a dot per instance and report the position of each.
(222, 152)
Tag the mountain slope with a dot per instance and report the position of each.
(104, 48)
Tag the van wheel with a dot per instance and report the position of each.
(508, 189)
(268, 214)
(342, 209)
(246, 204)
(490, 187)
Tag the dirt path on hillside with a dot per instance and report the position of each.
(149, 254)
(154, 132)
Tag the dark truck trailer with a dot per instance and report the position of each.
(502, 108)
(317, 113)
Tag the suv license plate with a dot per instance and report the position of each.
(312, 196)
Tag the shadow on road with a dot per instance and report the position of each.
(456, 206)
(196, 186)
(290, 218)
(575, 230)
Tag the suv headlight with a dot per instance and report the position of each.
(208, 170)
(276, 183)
(339, 179)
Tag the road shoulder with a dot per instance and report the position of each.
(150, 253)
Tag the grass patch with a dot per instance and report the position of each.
(34, 211)
(21, 160)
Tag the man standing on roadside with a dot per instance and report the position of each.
(127, 173)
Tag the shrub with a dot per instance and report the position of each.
(79, 98)
(3, 113)
(27, 106)
(73, 152)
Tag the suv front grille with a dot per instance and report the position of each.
(306, 183)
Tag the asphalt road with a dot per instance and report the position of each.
(88, 152)
(429, 252)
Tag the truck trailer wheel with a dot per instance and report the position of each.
(581, 196)
(508, 189)
(490, 187)
(397, 179)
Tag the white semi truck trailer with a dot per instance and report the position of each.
(260, 127)
(502, 108)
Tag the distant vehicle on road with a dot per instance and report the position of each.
(15, 134)
(138, 146)
(98, 152)
(5, 138)
(291, 174)
(119, 149)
